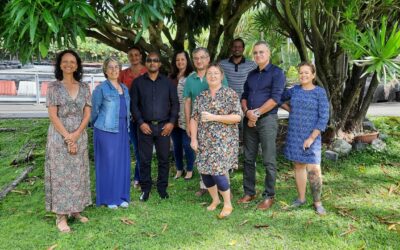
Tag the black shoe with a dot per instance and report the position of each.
(144, 196)
(164, 195)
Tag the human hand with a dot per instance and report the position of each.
(73, 148)
(194, 144)
(167, 129)
(145, 128)
(251, 124)
(251, 115)
(207, 117)
(307, 143)
(72, 137)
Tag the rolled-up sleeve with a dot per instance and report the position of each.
(278, 85)
(323, 110)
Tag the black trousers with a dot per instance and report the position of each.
(162, 144)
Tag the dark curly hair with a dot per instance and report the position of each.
(174, 68)
(57, 69)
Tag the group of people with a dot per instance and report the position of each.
(206, 109)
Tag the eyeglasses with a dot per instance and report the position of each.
(200, 58)
(152, 60)
(116, 67)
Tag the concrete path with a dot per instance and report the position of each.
(26, 110)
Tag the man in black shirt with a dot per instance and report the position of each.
(155, 108)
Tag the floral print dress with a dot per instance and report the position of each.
(67, 179)
(218, 149)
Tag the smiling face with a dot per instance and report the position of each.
(112, 70)
(306, 75)
(134, 57)
(68, 64)
(201, 60)
(153, 63)
(261, 54)
(181, 62)
(237, 49)
(214, 77)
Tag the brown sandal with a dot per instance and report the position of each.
(62, 225)
(79, 217)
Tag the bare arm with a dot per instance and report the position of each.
(310, 140)
(52, 110)
(267, 106)
(193, 131)
(286, 107)
(227, 119)
(187, 107)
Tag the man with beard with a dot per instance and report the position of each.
(236, 67)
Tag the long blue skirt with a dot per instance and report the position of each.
(112, 162)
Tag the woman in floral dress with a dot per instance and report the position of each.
(215, 137)
(67, 182)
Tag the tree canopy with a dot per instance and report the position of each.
(340, 35)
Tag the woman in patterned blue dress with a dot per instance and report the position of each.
(308, 116)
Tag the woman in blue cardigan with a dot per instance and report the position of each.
(110, 117)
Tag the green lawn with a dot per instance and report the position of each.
(361, 195)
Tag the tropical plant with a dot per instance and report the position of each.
(375, 50)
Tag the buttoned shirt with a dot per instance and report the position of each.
(154, 100)
(262, 85)
(236, 74)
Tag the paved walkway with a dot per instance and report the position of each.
(25, 110)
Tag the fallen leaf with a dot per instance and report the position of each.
(261, 226)
(274, 214)
(361, 169)
(127, 221)
(52, 247)
(351, 229)
(204, 204)
(284, 205)
(151, 235)
(232, 243)
(244, 222)
(392, 227)
(164, 228)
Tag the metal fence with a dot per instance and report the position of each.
(32, 87)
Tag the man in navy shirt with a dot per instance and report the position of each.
(155, 107)
(262, 92)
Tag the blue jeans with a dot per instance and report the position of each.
(181, 141)
(133, 136)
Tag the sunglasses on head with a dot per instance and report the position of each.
(154, 60)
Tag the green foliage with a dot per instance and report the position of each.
(144, 12)
(377, 49)
(356, 194)
(31, 27)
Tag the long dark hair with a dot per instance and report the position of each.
(57, 69)
(175, 70)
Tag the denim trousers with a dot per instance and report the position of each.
(181, 143)
(263, 133)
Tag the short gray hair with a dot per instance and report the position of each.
(197, 50)
(107, 61)
(263, 43)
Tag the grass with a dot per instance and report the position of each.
(361, 195)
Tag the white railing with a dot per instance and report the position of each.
(33, 82)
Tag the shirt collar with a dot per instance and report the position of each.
(146, 75)
(269, 65)
(241, 61)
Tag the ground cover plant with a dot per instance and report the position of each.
(361, 194)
